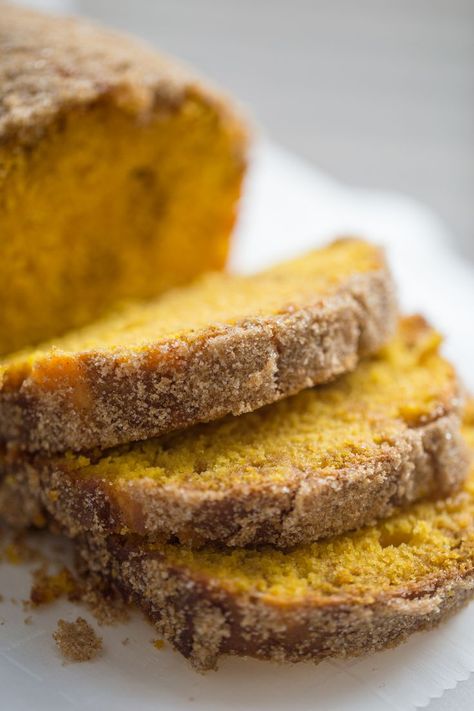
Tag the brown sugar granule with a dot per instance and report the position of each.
(77, 641)
(158, 643)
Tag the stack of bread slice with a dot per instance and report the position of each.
(272, 465)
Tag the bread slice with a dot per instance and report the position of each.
(325, 461)
(223, 345)
(120, 174)
(343, 596)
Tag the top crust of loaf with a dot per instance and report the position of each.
(51, 64)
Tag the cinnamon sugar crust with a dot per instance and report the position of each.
(204, 621)
(52, 64)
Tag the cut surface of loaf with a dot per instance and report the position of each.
(327, 460)
(119, 174)
(225, 344)
(344, 596)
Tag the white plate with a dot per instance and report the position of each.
(289, 207)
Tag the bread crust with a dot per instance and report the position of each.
(428, 460)
(51, 65)
(203, 620)
(103, 398)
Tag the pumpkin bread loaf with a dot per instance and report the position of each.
(120, 174)
(222, 345)
(325, 461)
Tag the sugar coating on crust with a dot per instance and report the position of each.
(102, 396)
(52, 62)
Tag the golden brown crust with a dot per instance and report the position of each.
(49, 65)
(203, 620)
(100, 399)
(428, 460)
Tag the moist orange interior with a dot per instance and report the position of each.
(105, 207)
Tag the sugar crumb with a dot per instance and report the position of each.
(77, 641)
